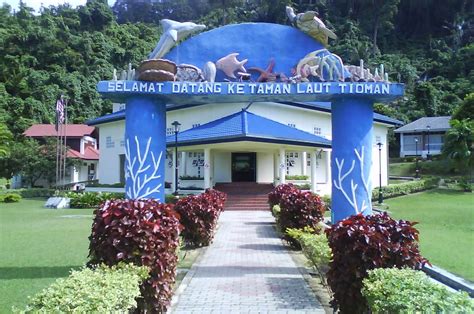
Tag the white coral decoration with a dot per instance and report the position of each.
(136, 166)
(351, 197)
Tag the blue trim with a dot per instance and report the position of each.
(319, 106)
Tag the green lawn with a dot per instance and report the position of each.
(446, 225)
(38, 245)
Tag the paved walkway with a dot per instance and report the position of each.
(246, 270)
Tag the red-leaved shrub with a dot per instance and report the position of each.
(142, 232)
(299, 209)
(360, 243)
(199, 215)
(274, 197)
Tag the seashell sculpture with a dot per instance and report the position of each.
(189, 73)
(156, 70)
(321, 64)
(229, 64)
(309, 23)
(209, 72)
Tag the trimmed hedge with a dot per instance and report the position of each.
(361, 243)
(393, 290)
(199, 216)
(315, 246)
(100, 290)
(405, 188)
(91, 199)
(142, 232)
(30, 193)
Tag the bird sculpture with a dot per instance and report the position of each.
(310, 24)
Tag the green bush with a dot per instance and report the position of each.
(101, 290)
(305, 186)
(405, 188)
(91, 199)
(315, 246)
(30, 193)
(10, 198)
(191, 178)
(392, 290)
(276, 211)
(296, 177)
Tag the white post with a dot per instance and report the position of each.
(173, 181)
(303, 163)
(276, 168)
(282, 166)
(207, 168)
(314, 185)
(402, 150)
(182, 164)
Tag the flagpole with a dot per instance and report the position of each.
(65, 139)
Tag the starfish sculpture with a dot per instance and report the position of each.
(267, 75)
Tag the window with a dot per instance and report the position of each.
(109, 143)
(169, 131)
(378, 139)
(195, 125)
(292, 125)
(122, 143)
(316, 130)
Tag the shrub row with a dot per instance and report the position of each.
(298, 209)
(392, 290)
(361, 243)
(405, 188)
(296, 177)
(91, 199)
(142, 232)
(99, 290)
(10, 198)
(199, 215)
(315, 246)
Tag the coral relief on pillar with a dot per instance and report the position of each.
(352, 157)
(145, 149)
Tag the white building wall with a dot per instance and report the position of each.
(109, 159)
(265, 167)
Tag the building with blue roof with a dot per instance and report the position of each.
(246, 142)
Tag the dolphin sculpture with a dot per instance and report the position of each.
(172, 33)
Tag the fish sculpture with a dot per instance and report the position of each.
(310, 24)
(172, 33)
(229, 64)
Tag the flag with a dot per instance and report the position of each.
(59, 112)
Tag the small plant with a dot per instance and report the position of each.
(276, 211)
(393, 290)
(99, 290)
(296, 177)
(142, 232)
(91, 199)
(10, 198)
(199, 215)
(361, 243)
(191, 178)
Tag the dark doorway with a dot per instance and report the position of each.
(244, 167)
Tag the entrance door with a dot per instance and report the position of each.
(243, 167)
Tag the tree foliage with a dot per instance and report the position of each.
(459, 145)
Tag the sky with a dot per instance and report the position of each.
(36, 4)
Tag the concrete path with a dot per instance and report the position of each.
(245, 270)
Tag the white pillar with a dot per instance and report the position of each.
(276, 168)
(182, 164)
(207, 168)
(328, 166)
(402, 150)
(282, 166)
(314, 185)
(303, 163)
(173, 170)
